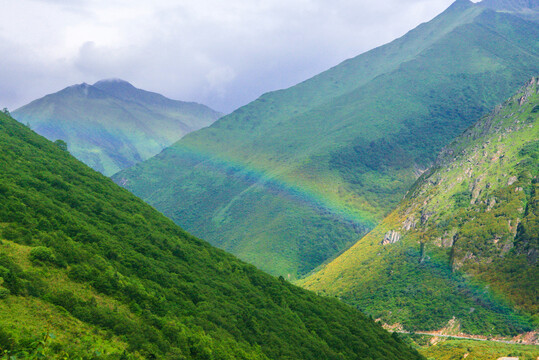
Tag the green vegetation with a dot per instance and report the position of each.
(112, 125)
(89, 271)
(469, 232)
(517, 7)
(477, 350)
(292, 179)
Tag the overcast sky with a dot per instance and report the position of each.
(220, 53)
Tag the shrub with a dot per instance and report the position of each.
(42, 254)
(4, 292)
(7, 342)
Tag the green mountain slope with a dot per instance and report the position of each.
(527, 9)
(89, 270)
(112, 125)
(464, 243)
(295, 177)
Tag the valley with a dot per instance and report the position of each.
(385, 208)
(296, 177)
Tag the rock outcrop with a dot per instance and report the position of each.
(391, 237)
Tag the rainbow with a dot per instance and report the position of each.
(281, 186)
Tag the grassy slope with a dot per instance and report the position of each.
(440, 348)
(476, 213)
(30, 321)
(107, 272)
(522, 8)
(109, 130)
(478, 350)
(295, 177)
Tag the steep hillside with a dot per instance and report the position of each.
(527, 9)
(295, 177)
(89, 271)
(112, 125)
(464, 243)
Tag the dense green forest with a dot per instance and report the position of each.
(89, 271)
(292, 179)
(467, 236)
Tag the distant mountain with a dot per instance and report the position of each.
(112, 125)
(464, 243)
(299, 175)
(88, 271)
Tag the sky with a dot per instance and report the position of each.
(220, 53)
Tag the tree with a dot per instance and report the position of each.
(61, 144)
(6, 111)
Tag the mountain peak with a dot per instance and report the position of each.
(119, 88)
(78, 86)
(116, 80)
(461, 3)
(114, 83)
(82, 89)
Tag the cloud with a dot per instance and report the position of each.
(224, 54)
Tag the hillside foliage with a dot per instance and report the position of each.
(89, 271)
(469, 236)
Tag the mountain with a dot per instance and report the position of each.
(112, 125)
(292, 179)
(527, 9)
(511, 5)
(88, 270)
(463, 246)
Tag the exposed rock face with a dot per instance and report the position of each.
(476, 189)
(512, 180)
(391, 237)
(425, 217)
(448, 241)
(528, 93)
(531, 338)
(491, 203)
(409, 223)
(452, 327)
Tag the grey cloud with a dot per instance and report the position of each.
(217, 53)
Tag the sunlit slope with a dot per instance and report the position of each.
(295, 177)
(112, 125)
(479, 350)
(464, 243)
(104, 272)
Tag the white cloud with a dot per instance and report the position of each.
(220, 53)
